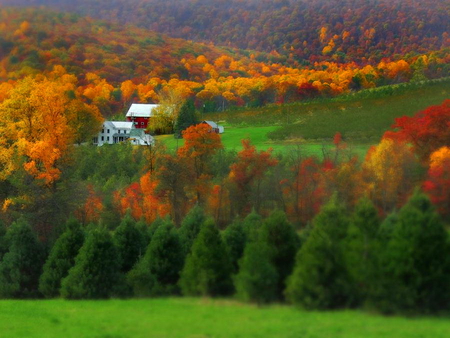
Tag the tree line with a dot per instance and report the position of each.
(399, 264)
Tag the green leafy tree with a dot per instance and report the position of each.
(257, 279)
(207, 270)
(130, 242)
(61, 259)
(96, 272)
(415, 275)
(190, 227)
(235, 239)
(186, 118)
(320, 279)
(153, 227)
(158, 271)
(284, 243)
(361, 247)
(21, 266)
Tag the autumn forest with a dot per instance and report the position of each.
(326, 230)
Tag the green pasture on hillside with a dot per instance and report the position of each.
(233, 135)
(362, 118)
(200, 318)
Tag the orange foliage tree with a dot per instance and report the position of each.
(200, 144)
(247, 174)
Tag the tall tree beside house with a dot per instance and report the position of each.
(96, 273)
(207, 270)
(186, 118)
(61, 259)
(21, 266)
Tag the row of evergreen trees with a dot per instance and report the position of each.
(400, 265)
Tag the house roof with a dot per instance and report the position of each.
(141, 110)
(121, 124)
(212, 124)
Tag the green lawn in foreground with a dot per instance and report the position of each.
(199, 318)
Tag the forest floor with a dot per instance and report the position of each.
(200, 318)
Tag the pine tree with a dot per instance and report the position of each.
(186, 118)
(21, 266)
(284, 243)
(154, 226)
(3, 242)
(130, 242)
(207, 270)
(252, 223)
(158, 271)
(361, 248)
(257, 279)
(235, 239)
(320, 279)
(61, 259)
(190, 227)
(415, 275)
(96, 272)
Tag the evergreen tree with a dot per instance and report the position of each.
(207, 270)
(158, 271)
(3, 242)
(130, 243)
(190, 227)
(415, 267)
(252, 223)
(284, 243)
(154, 226)
(320, 279)
(361, 248)
(21, 266)
(96, 272)
(257, 280)
(186, 118)
(144, 229)
(235, 239)
(61, 259)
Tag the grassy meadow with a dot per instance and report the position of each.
(199, 318)
(362, 118)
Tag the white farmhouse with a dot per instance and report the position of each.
(119, 131)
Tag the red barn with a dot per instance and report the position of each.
(140, 114)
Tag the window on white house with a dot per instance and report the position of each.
(107, 138)
(108, 131)
(103, 131)
(118, 132)
(103, 138)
